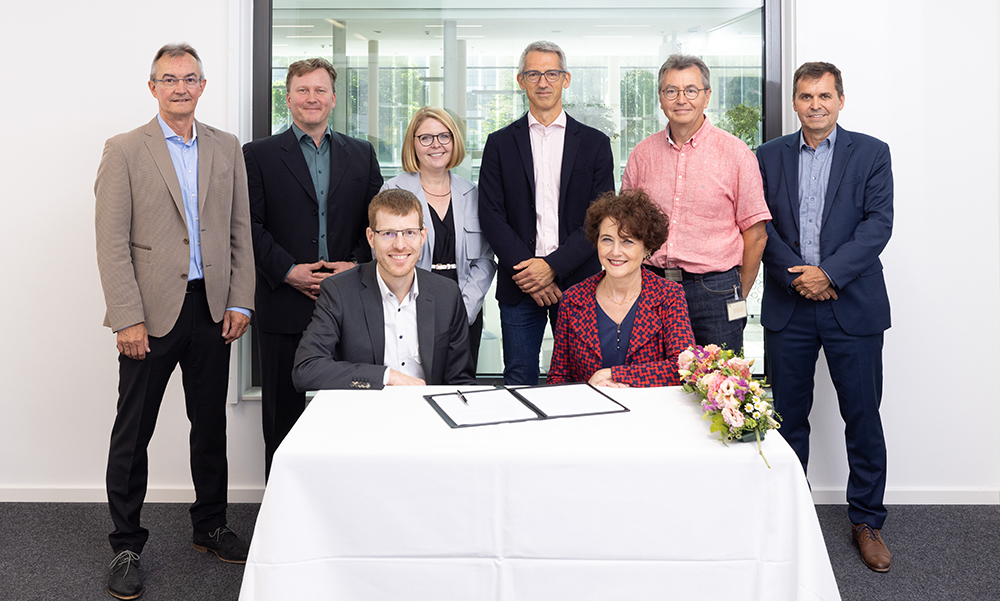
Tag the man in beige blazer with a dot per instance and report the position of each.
(176, 261)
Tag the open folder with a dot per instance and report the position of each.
(504, 405)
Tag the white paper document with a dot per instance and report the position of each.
(520, 404)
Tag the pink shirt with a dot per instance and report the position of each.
(547, 154)
(710, 190)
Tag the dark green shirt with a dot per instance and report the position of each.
(318, 161)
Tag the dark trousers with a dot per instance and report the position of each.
(855, 364)
(281, 404)
(196, 343)
(475, 337)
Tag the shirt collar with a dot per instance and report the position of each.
(832, 139)
(299, 134)
(560, 121)
(169, 133)
(698, 136)
(386, 293)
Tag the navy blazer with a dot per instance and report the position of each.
(507, 201)
(344, 345)
(857, 223)
(284, 218)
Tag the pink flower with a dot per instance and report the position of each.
(727, 387)
(739, 365)
(685, 360)
(733, 417)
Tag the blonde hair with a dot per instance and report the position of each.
(410, 163)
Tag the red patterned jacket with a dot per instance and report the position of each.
(661, 331)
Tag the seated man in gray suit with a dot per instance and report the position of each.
(419, 313)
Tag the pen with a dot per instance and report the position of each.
(462, 397)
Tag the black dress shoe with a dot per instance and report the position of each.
(224, 543)
(125, 577)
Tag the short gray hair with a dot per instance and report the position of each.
(680, 62)
(542, 46)
(173, 51)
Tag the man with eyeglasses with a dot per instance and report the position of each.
(387, 323)
(537, 178)
(309, 192)
(176, 264)
(830, 191)
(707, 183)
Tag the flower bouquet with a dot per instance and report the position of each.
(732, 400)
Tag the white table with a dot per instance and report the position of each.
(373, 497)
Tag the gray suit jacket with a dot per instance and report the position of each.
(344, 345)
(142, 238)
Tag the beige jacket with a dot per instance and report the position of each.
(142, 237)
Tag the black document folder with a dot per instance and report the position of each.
(505, 405)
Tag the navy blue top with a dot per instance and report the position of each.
(614, 337)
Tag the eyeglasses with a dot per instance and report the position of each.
(552, 75)
(390, 235)
(443, 139)
(170, 82)
(689, 93)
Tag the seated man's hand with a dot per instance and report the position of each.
(533, 275)
(398, 378)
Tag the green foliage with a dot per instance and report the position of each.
(640, 104)
(279, 108)
(743, 121)
(596, 115)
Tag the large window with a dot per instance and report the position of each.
(394, 56)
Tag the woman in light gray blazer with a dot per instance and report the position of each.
(455, 246)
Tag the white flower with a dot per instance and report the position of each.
(756, 414)
(748, 407)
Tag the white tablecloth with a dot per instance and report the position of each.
(373, 497)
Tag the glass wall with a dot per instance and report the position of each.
(463, 56)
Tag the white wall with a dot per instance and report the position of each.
(920, 77)
(74, 75)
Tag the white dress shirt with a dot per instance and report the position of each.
(546, 154)
(402, 351)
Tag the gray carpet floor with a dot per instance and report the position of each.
(60, 551)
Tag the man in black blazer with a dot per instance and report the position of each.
(309, 192)
(387, 323)
(830, 196)
(537, 179)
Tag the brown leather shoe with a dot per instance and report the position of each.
(873, 550)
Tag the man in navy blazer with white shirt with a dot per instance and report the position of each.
(532, 209)
(830, 196)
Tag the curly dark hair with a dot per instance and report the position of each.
(635, 214)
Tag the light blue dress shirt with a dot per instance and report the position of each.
(814, 176)
(184, 156)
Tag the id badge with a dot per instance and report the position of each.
(737, 308)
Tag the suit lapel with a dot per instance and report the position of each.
(522, 138)
(157, 146)
(841, 155)
(296, 163)
(206, 153)
(571, 144)
(645, 315)
(426, 326)
(790, 160)
(371, 302)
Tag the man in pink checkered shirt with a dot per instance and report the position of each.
(708, 184)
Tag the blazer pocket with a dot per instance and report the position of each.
(473, 242)
(141, 253)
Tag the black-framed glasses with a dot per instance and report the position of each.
(390, 235)
(551, 76)
(170, 82)
(689, 93)
(443, 138)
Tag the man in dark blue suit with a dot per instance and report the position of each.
(309, 192)
(537, 179)
(830, 195)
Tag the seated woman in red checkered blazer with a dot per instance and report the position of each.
(624, 326)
